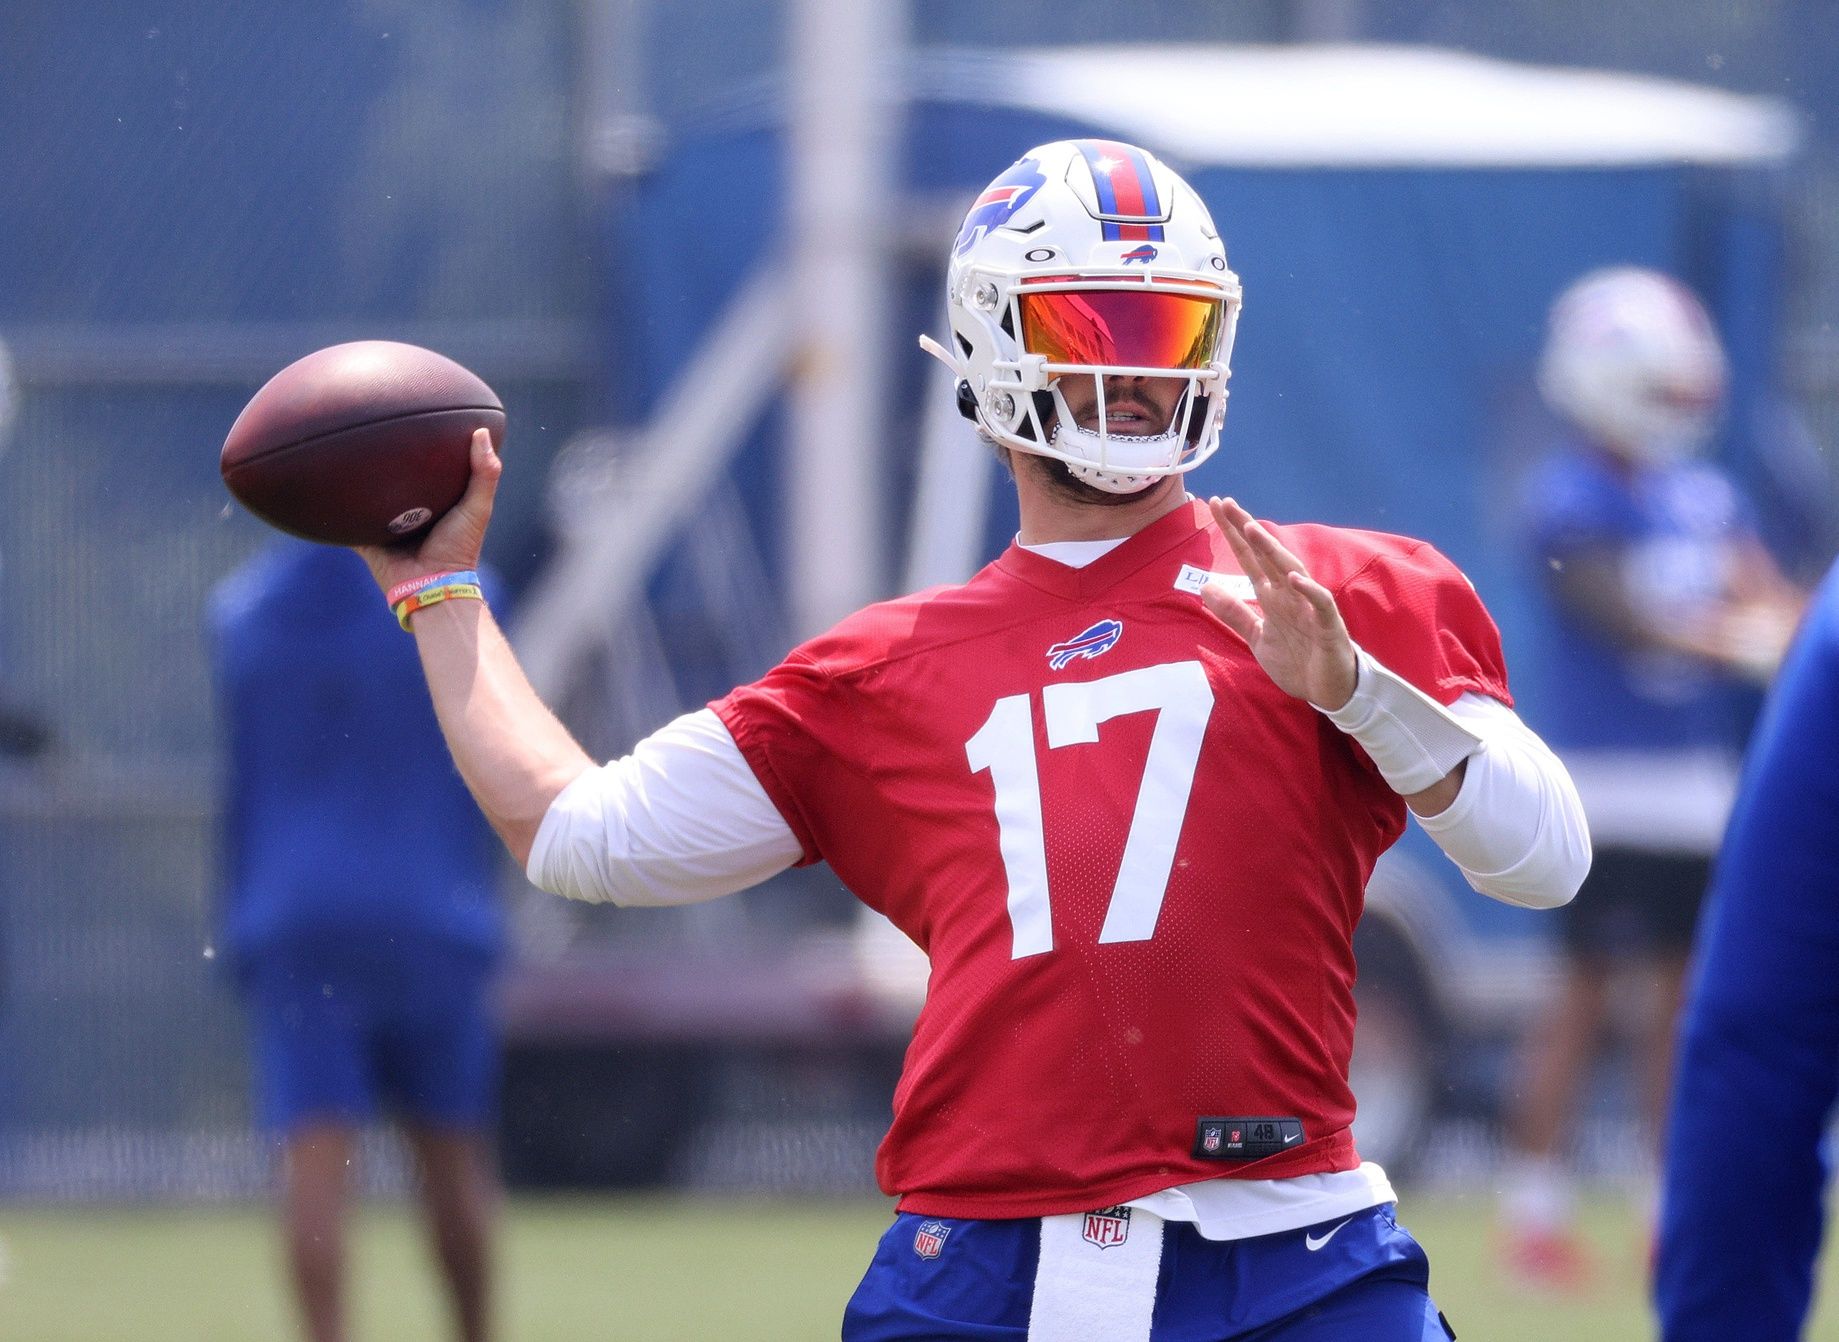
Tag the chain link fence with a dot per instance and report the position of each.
(201, 193)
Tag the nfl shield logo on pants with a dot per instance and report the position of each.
(929, 1239)
(1107, 1226)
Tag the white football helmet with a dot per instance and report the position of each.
(1632, 359)
(1090, 258)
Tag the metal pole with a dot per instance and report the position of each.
(842, 64)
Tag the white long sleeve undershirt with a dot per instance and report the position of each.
(683, 819)
(680, 820)
(1516, 828)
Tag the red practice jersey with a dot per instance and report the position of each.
(1135, 863)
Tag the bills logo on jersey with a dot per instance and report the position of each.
(929, 1239)
(999, 202)
(1107, 1226)
(1093, 642)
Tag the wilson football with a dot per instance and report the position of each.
(364, 443)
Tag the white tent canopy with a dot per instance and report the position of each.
(1382, 106)
(1357, 106)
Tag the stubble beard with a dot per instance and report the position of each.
(1058, 479)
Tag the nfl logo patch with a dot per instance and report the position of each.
(1107, 1226)
(929, 1239)
(1210, 1140)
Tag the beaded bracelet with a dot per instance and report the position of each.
(405, 598)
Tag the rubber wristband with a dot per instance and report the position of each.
(404, 589)
(433, 595)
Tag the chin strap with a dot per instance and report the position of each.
(967, 400)
(1113, 480)
(943, 355)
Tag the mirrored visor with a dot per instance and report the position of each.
(1121, 328)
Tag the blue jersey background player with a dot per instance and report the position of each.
(1745, 1176)
(1666, 612)
(359, 914)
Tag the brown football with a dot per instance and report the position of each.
(359, 444)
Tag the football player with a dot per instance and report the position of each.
(366, 966)
(1737, 1257)
(1124, 787)
(1668, 608)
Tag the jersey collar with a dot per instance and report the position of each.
(1168, 532)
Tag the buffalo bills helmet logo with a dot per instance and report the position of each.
(999, 201)
(1093, 642)
(1145, 254)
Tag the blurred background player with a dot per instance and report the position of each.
(1667, 611)
(360, 919)
(1745, 1176)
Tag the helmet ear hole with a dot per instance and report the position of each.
(967, 401)
(1044, 411)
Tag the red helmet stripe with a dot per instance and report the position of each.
(1127, 174)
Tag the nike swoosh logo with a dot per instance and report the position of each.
(1293, 1137)
(1312, 1243)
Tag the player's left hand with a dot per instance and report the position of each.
(1295, 630)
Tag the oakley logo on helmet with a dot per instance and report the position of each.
(999, 202)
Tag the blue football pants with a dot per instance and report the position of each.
(1358, 1277)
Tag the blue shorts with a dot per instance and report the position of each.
(1360, 1276)
(345, 1034)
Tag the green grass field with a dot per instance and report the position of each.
(647, 1269)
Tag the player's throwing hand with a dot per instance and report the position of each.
(456, 540)
(1295, 631)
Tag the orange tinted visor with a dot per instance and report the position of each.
(1121, 328)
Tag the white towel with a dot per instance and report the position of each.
(1097, 1278)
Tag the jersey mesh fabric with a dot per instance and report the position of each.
(1074, 1077)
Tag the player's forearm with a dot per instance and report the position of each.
(1440, 795)
(511, 750)
(1480, 782)
(1515, 828)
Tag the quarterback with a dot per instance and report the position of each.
(1124, 787)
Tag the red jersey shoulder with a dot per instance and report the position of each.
(1333, 555)
(1408, 605)
(907, 625)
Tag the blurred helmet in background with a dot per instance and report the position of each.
(1090, 258)
(1632, 359)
